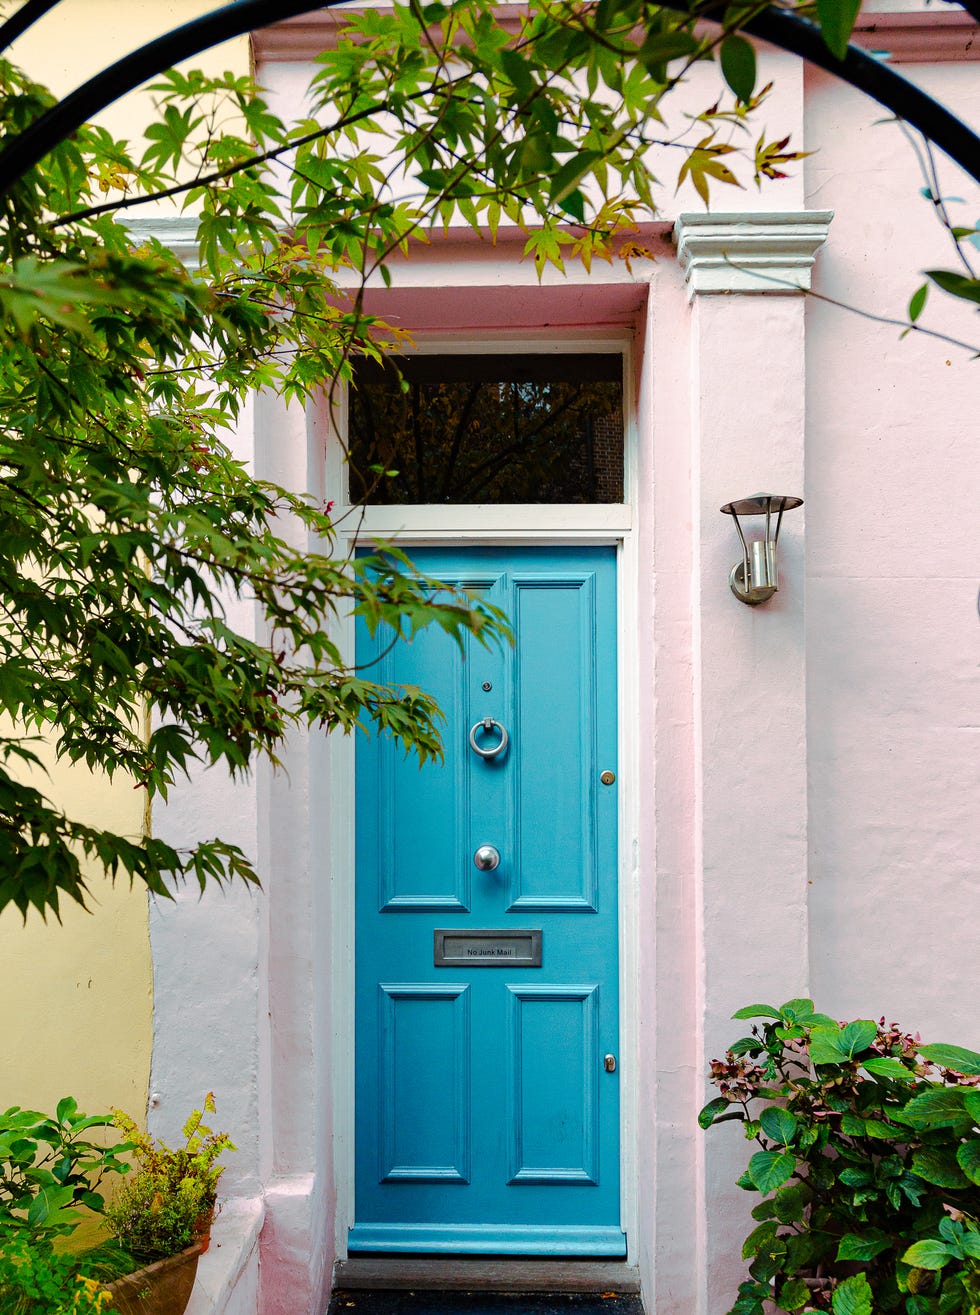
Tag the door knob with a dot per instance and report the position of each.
(486, 858)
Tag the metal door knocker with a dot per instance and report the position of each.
(487, 725)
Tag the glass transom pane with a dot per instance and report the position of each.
(487, 429)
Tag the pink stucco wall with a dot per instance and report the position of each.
(893, 566)
(805, 772)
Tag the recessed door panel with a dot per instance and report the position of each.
(415, 844)
(555, 1067)
(555, 866)
(487, 990)
(424, 1083)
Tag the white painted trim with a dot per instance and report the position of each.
(602, 522)
(771, 252)
(342, 867)
(178, 232)
(527, 525)
(628, 675)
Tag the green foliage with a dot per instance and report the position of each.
(868, 1160)
(168, 1200)
(132, 541)
(964, 286)
(35, 1280)
(836, 19)
(738, 66)
(48, 1169)
(154, 1216)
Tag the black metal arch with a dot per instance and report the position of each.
(130, 72)
(787, 31)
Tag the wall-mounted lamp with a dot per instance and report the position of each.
(754, 579)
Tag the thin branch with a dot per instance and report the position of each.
(906, 325)
(944, 218)
(218, 175)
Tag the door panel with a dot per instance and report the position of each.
(555, 1084)
(420, 1029)
(486, 1121)
(556, 716)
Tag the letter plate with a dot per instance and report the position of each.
(488, 947)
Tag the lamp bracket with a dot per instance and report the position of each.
(754, 596)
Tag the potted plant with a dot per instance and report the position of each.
(867, 1159)
(162, 1213)
(159, 1216)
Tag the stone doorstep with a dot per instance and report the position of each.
(476, 1274)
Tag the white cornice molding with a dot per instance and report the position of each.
(178, 232)
(902, 38)
(768, 252)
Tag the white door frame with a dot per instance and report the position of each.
(516, 526)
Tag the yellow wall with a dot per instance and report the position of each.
(78, 38)
(77, 997)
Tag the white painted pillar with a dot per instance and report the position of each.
(744, 274)
(208, 976)
(297, 1239)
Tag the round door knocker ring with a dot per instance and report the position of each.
(494, 750)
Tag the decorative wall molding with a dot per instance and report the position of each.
(769, 252)
(925, 38)
(906, 38)
(302, 38)
(178, 232)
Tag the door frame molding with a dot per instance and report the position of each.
(558, 525)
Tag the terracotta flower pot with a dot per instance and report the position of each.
(163, 1288)
(203, 1228)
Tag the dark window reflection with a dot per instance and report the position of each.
(494, 429)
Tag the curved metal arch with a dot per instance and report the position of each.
(801, 37)
(788, 32)
(130, 72)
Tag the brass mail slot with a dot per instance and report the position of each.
(488, 947)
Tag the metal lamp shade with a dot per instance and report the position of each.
(755, 578)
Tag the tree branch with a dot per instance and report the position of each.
(907, 326)
(788, 32)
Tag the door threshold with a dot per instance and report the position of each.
(485, 1274)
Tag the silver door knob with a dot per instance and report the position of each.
(487, 858)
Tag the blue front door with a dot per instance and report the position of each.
(487, 997)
